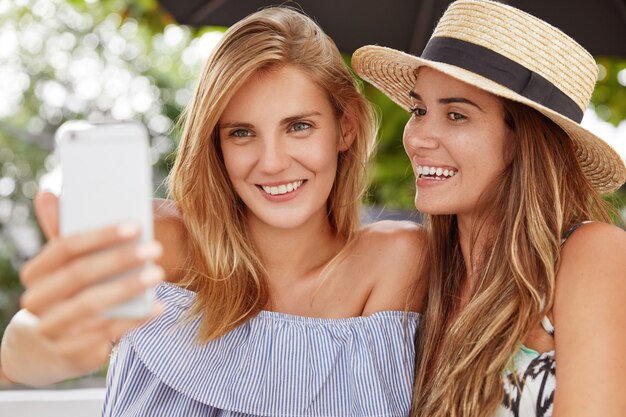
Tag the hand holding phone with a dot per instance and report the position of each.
(61, 332)
(107, 181)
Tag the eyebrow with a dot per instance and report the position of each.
(291, 119)
(285, 121)
(235, 124)
(447, 100)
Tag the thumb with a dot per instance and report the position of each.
(47, 210)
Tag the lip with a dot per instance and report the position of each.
(428, 182)
(277, 183)
(279, 198)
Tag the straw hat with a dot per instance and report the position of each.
(511, 54)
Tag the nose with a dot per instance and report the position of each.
(420, 135)
(275, 156)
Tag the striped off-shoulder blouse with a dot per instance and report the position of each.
(273, 365)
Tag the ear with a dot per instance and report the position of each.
(347, 127)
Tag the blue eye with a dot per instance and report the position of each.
(240, 133)
(299, 126)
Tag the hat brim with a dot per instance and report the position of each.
(394, 73)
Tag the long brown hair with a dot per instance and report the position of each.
(462, 351)
(223, 266)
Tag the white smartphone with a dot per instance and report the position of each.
(106, 180)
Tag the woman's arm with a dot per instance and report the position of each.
(590, 323)
(60, 334)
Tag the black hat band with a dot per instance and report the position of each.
(502, 70)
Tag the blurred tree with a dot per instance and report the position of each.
(61, 60)
(609, 96)
(116, 59)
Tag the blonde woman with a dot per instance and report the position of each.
(285, 305)
(525, 313)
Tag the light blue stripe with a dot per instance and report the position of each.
(274, 365)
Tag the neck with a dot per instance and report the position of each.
(289, 254)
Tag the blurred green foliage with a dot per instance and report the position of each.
(117, 59)
(64, 60)
(609, 96)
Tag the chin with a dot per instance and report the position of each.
(284, 222)
(432, 210)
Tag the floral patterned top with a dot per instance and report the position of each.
(533, 395)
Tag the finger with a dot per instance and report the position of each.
(96, 300)
(47, 210)
(60, 251)
(110, 328)
(86, 271)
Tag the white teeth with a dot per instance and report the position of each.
(434, 173)
(283, 188)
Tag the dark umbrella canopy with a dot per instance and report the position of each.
(598, 25)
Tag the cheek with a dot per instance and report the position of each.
(321, 161)
(502, 141)
(236, 162)
(228, 161)
(488, 163)
(510, 148)
(322, 155)
(504, 154)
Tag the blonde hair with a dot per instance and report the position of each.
(223, 266)
(462, 352)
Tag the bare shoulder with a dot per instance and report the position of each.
(398, 244)
(395, 249)
(170, 231)
(393, 235)
(591, 278)
(593, 248)
(588, 312)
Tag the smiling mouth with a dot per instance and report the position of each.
(435, 173)
(282, 188)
